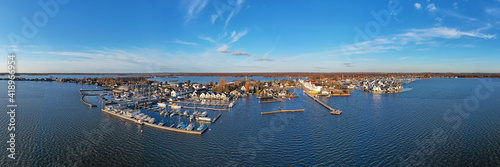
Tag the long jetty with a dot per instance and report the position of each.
(88, 104)
(207, 104)
(217, 117)
(205, 108)
(269, 101)
(156, 126)
(272, 112)
(332, 110)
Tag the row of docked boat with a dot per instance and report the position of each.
(141, 117)
(198, 116)
(190, 127)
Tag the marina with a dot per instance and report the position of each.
(197, 132)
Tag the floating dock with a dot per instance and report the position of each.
(157, 126)
(272, 112)
(332, 110)
(215, 119)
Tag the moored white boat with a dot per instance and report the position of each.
(163, 105)
(175, 107)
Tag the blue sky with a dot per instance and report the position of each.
(252, 36)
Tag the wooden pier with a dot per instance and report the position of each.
(85, 92)
(332, 110)
(217, 117)
(269, 101)
(272, 112)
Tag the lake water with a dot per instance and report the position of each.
(54, 128)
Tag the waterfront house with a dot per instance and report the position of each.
(203, 96)
(124, 88)
(235, 93)
(223, 96)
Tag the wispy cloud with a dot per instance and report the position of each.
(232, 7)
(75, 54)
(224, 49)
(431, 7)
(184, 42)
(237, 7)
(104, 60)
(367, 59)
(456, 14)
(207, 39)
(268, 52)
(443, 32)
(265, 59)
(378, 45)
(493, 11)
(236, 37)
(425, 36)
(194, 8)
(403, 58)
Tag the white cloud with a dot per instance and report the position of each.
(207, 39)
(102, 60)
(443, 32)
(265, 59)
(238, 36)
(493, 11)
(403, 58)
(268, 52)
(233, 34)
(418, 6)
(184, 42)
(75, 54)
(410, 38)
(194, 8)
(224, 49)
(455, 6)
(232, 7)
(235, 11)
(456, 15)
(440, 19)
(431, 7)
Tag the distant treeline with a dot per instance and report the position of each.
(294, 74)
(348, 75)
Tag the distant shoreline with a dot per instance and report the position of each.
(292, 74)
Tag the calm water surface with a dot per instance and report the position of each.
(54, 128)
